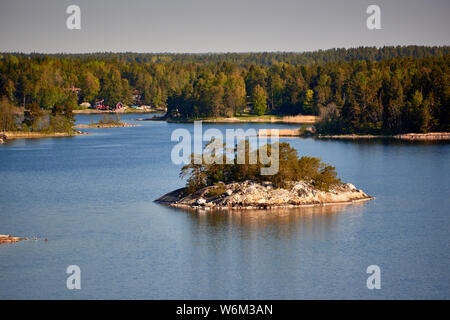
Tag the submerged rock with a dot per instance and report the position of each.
(251, 195)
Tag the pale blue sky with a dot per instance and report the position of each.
(218, 26)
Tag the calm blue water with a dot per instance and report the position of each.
(92, 197)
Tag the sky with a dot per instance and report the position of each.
(199, 26)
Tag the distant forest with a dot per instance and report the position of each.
(358, 90)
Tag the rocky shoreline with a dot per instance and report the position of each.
(8, 135)
(254, 195)
(431, 136)
(5, 238)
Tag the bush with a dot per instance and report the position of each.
(110, 119)
(219, 189)
(325, 178)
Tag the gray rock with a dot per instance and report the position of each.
(251, 194)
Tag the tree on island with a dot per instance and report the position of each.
(291, 169)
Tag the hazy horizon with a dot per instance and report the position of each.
(210, 26)
(211, 52)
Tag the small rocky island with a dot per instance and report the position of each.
(107, 121)
(6, 238)
(299, 182)
(265, 195)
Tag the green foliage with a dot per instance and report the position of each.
(325, 177)
(291, 169)
(58, 123)
(417, 114)
(8, 115)
(259, 100)
(110, 119)
(308, 102)
(90, 87)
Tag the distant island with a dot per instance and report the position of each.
(299, 182)
(57, 125)
(107, 121)
(10, 135)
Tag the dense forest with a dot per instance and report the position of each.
(264, 58)
(359, 90)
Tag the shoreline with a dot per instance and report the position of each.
(10, 135)
(273, 119)
(299, 119)
(105, 125)
(94, 111)
(6, 238)
(431, 136)
(263, 207)
(281, 132)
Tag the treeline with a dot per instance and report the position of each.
(264, 58)
(361, 90)
(387, 96)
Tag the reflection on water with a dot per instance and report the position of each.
(274, 223)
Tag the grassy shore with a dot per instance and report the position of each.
(298, 119)
(281, 132)
(33, 135)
